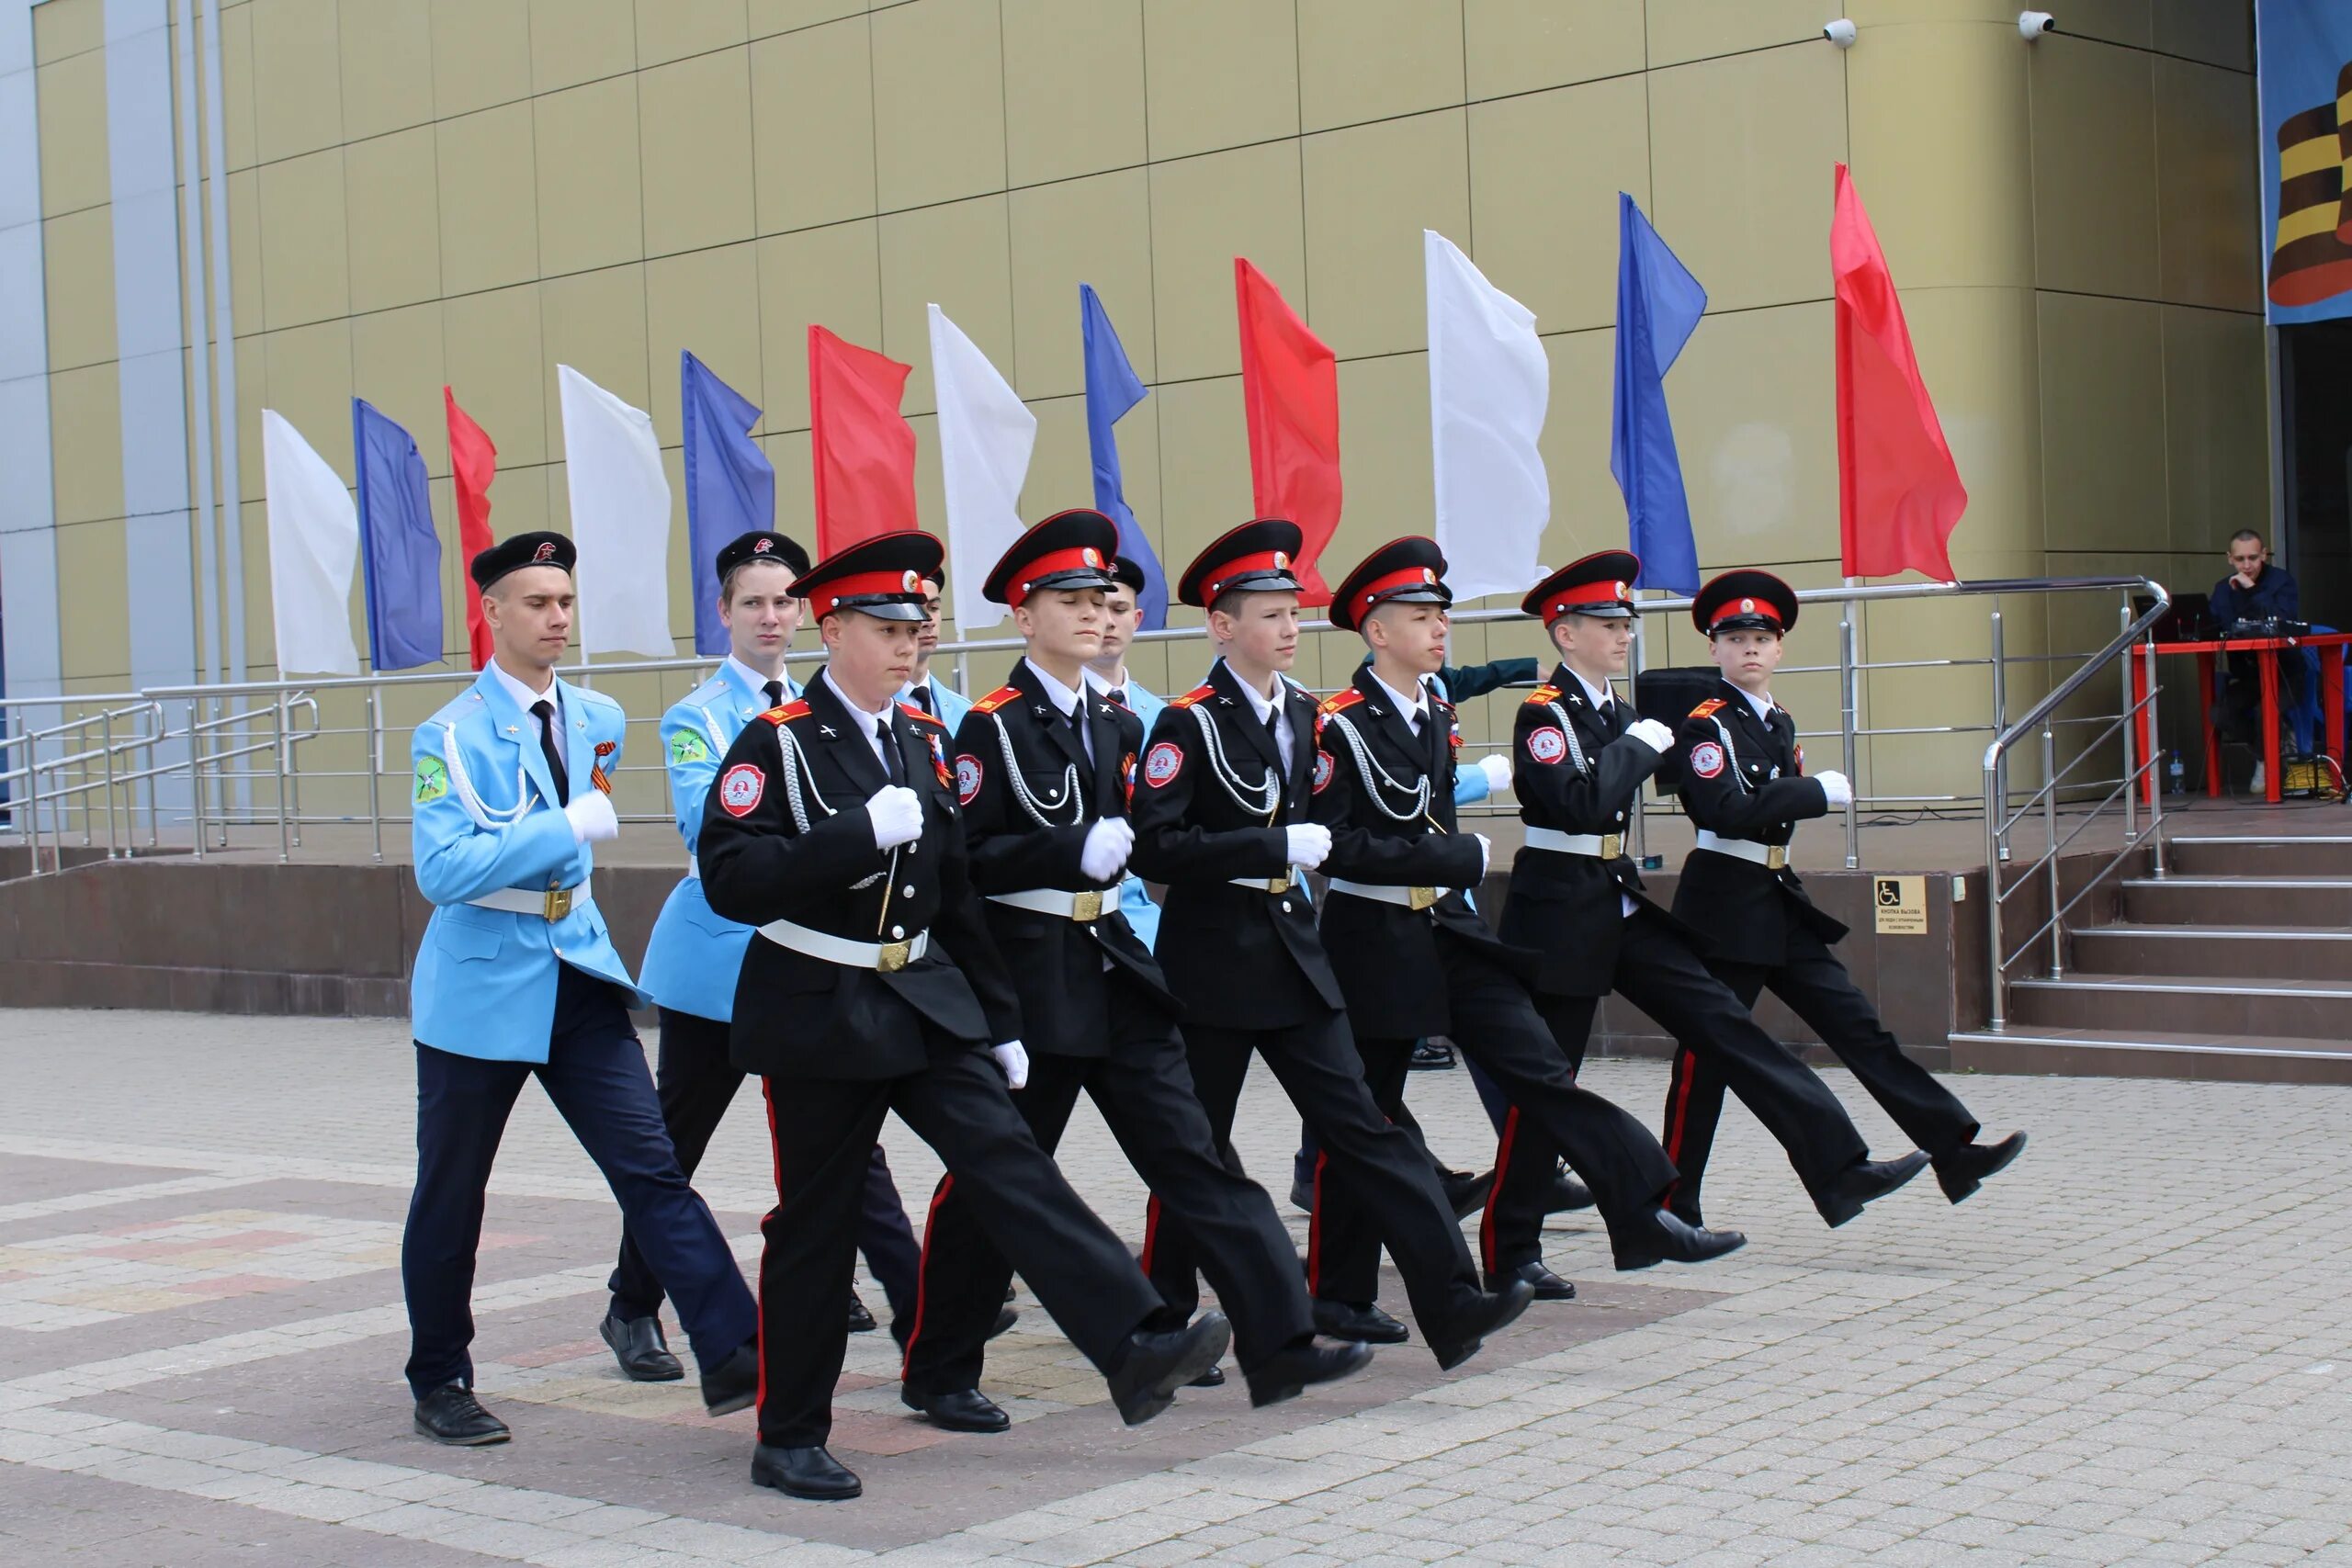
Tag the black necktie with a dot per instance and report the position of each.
(922, 696)
(546, 711)
(1118, 694)
(775, 690)
(1076, 719)
(892, 763)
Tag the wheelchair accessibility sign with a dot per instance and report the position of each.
(1901, 902)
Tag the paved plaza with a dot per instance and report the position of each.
(2135, 1347)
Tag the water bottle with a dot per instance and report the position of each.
(2178, 773)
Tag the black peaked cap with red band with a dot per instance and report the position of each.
(1411, 570)
(1601, 584)
(1069, 550)
(882, 576)
(522, 550)
(1747, 599)
(1259, 557)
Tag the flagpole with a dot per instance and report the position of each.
(1850, 698)
(366, 546)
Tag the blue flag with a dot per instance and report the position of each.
(730, 484)
(1658, 304)
(1112, 389)
(398, 552)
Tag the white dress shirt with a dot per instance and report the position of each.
(1414, 709)
(524, 697)
(754, 683)
(872, 734)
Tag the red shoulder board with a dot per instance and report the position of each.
(915, 713)
(796, 708)
(996, 699)
(1544, 695)
(1195, 695)
(1707, 709)
(1346, 696)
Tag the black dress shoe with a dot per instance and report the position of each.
(1671, 1238)
(1293, 1370)
(861, 1320)
(1005, 1319)
(1866, 1182)
(1213, 1378)
(1962, 1171)
(1466, 1193)
(804, 1473)
(734, 1384)
(1157, 1365)
(1548, 1286)
(964, 1410)
(1430, 1056)
(451, 1414)
(1302, 1195)
(638, 1347)
(1469, 1328)
(1568, 1194)
(1360, 1321)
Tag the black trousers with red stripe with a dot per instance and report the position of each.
(1145, 1092)
(1819, 990)
(822, 1129)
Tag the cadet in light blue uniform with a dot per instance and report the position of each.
(517, 978)
(1108, 671)
(924, 689)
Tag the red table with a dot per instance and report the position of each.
(2331, 698)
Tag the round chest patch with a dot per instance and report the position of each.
(1322, 771)
(1547, 744)
(1162, 763)
(967, 780)
(1707, 759)
(740, 788)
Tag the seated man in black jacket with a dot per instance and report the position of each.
(2255, 592)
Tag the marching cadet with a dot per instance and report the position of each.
(693, 958)
(516, 976)
(1108, 671)
(1743, 784)
(1221, 818)
(1579, 759)
(1043, 769)
(833, 828)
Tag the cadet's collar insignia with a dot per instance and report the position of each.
(1109, 712)
(826, 730)
(1707, 709)
(1195, 695)
(796, 708)
(996, 699)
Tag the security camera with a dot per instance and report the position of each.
(1840, 33)
(2031, 24)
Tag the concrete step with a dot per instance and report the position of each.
(2250, 952)
(2128, 1053)
(2224, 1007)
(2236, 900)
(2224, 854)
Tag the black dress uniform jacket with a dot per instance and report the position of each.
(785, 836)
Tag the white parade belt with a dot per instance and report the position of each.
(1086, 906)
(553, 904)
(1281, 883)
(1774, 857)
(889, 957)
(1414, 898)
(1598, 846)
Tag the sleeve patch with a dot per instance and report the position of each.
(967, 779)
(686, 746)
(1323, 771)
(740, 788)
(432, 780)
(1707, 759)
(1162, 764)
(1547, 744)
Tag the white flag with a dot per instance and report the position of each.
(313, 546)
(620, 520)
(1488, 386)
(986, 435)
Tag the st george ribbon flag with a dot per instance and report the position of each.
(862, 448)
(620, 520)
(473, 463)
(986, 435)
(730, 485)
(1112, 389)
(1290, 391)
(1659, 306)
(313, 545)
(399, 550)
(1899, 493)
(1489, 385)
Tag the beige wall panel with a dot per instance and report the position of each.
(697, 125)
(2127, 22)
(2094, 169)
(244, 247)
(396, 365)
(585, 146)
(580, 41)
(261, 641)
(2208, 201)
(685, 578)
(1702, 30)
(85, 442)
(490, 218)
(395, 224)
(2102, 424)
(958, 257)
(1204, 212)
(2218, 443)
(1203, 465)
(492, 347)
(1977, 350)
(1740, 156)
(252, 396)
(1220, 72)
(796, 501)
(1754, 409)
(77, 262)
(1093, 230)
(386, 55)
(518, 500)
(1361, 59)
(812, 121)
(2219, 32)
(236, 85)
(1074, 88)
(594, 321)
(707, 301)
(1544, 173)
(297, 78)
(91, 646)
(557, 499)
(1371, 189)
(1061, 470)
(305, 270)
(311, 387)
(672, 30)
(1518, 46)
(830, 278)
(1941, 152)
(482, 54)
(1586, 513)
(67, 26)
(784, 15)
(71, 97)
(938, 101)
(1386, 489)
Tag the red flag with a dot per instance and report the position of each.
(1898, 491)
(1290, 387)
(864, 449)
(474, 462)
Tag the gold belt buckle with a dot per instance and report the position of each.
(557, 903)
(1776, 857)
(1419, 899)
(1612, 845)
(894, 956)
(1086, 906)
(1279, 884)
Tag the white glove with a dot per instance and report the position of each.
(1837, 786)
(1652, 733)
(1108, 844)
(1309, 843)
(897, 816)
(1015, 1061)
(1497, 767)
(1486, 854)
(592, 818)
